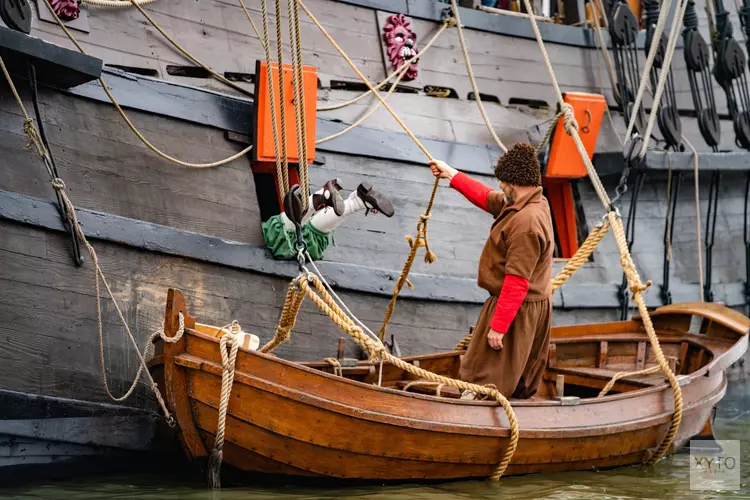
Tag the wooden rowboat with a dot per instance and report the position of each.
(311, 419)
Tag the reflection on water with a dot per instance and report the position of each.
(670, 479)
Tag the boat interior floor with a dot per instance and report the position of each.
(576, 367)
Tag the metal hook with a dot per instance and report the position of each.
(585, 129)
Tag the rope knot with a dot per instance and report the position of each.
(569, 118)
(58, 184)
(638, 287)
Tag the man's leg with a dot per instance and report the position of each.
(537, 360)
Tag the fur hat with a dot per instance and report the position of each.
(519, 166)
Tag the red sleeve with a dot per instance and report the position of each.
(511, 297)
(473, 190)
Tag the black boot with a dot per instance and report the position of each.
(293, 205)
(330, 197)
(374, 199)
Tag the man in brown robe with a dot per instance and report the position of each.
(511, 337)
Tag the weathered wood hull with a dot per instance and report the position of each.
(155, 225)
(288, 418)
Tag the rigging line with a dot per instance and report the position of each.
(282, 97)
(380, 85)
(637, 287)
(51, 165)
(400, 72)
(606, 106)
(187, 54)
(697, 214)
(365, 80)
(674, 36)
(375, 106)
(282, 178)
(130, 125)
(252, 23)
(118, 4)
(299, 96)
(470, 71)
(70, 210)
(602, 50)
(661, 22)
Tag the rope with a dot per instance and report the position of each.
(282, 99)
(571, 266)
(581, 256)
(421, 239)
(299, 95)
(548, 133)
(130, 125)
(228, 347)
(282, 170)
(365, 80)
(697, 214)
(117, 3)
(59, 186)
(400, 72)
(380, 85)
(667, 218)
(325, 303)
(473, 81)
(336, 364)
(674, 36)
(636, 286)
(658, 30)
(252, 23)
(648, 371)
(286, 322)
(187, 54)
(602, 46)
(414, 244)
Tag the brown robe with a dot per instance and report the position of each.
(521, 242)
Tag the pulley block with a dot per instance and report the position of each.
(16, 14)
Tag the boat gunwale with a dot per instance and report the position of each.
(654, 419)
(735, 350)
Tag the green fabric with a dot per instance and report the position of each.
(280, 241)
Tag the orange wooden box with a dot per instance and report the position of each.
(564, 160)
(264, 150)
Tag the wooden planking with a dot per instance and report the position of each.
(215, 27)
(61, 294)
(107, 169)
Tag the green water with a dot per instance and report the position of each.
(670, 479)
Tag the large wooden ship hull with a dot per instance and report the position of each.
(299, 419)
(156, 225)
